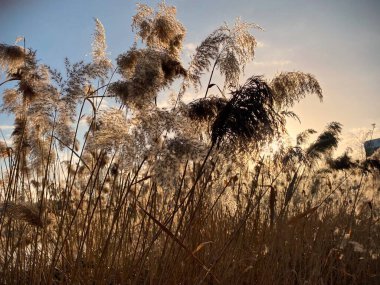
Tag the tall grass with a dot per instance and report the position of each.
(184, 195)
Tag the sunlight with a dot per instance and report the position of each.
(273, 147)
(152, 167)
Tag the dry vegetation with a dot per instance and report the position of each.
(183, 195)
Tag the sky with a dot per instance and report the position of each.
(336, 40)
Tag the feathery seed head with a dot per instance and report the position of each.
(99, 46)
(205, 109)
(326, 142)
(159, 29)
(11, 58)
(23, 212)
(146, 71)
(249, 116)
(230, 48)
(290, 87)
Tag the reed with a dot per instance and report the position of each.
(179, 195)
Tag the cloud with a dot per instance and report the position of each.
(189, 49)
(272, 63)
(6, 127)
(260, 44)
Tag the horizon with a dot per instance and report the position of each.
(337, 42)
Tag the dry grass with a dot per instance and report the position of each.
(180, 196)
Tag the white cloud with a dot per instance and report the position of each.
(6, 127)
(190, 47)
(272, 63)
(260, 44)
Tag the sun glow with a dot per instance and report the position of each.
(274, 146)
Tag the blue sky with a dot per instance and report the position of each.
(338, 41)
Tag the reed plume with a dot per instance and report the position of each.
(22, 212)
(249, 116)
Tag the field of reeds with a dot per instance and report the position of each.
(206, 192)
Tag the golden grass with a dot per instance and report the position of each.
(186, 195)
